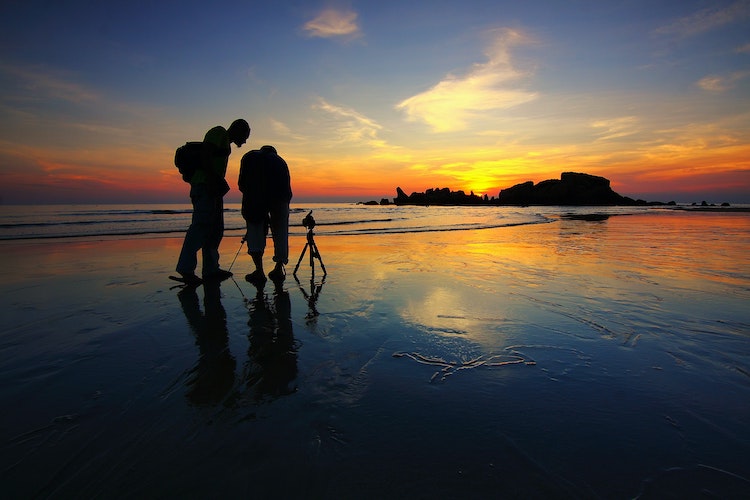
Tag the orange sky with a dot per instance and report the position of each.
(362, 100)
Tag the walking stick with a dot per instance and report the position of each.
(242, 242)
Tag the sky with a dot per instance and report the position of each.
(361, 97)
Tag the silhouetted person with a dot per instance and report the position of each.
(207, 190)
(213, 375)
(272, 353)
(266, 192)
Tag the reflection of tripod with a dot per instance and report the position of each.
(311, 298)
(309, 223)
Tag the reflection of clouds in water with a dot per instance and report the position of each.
(448, 312)
(427, 310)
(451, 311)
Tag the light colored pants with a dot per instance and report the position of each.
(279, 224)
(280, 232)
(205, 232)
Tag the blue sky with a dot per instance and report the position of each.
(361, 97)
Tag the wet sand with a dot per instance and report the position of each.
(583, 359)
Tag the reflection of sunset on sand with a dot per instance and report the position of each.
(571, 358)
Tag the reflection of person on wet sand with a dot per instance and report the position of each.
(272, 355)
(213, 376)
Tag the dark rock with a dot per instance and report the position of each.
(586, 217)
(517, 195)
(437, 196)
(571, 189)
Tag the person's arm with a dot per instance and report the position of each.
(207, 157)
(216, 151)
(288, 181)
(243, 173)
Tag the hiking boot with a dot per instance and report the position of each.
(191, 279)
(219, 275)
(278, 274)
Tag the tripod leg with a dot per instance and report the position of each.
(314, 251)
(300, 259)
(311, 244)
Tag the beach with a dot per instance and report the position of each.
(574, 358)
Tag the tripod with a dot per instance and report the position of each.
(309, 223)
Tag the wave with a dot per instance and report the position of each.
(22, 225)
(30, 223)
(432, 229)
(293, 231)
(359, 221)
(98, 213)
(87, 235)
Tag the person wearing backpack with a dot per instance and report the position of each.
(207, 189)
(266, 192)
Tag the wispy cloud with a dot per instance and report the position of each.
(719, 83)
(280, 127)
(453, 102)
(284, 132)
(350, 126)
(45, 84)
(334, 23)
(706, 20)
(615, 128)
(744, 49)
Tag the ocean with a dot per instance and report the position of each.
(71, 221)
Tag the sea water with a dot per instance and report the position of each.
(70, 221)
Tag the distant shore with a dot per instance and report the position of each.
(693, 206)
(572, 189)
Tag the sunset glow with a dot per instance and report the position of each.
(475, 96)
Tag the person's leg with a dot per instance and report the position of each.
(280, 233)
(258, 261)
(256, 245)
(215, 233)
(196, 234)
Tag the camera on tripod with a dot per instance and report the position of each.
(309, 221)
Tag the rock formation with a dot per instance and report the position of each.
(571, 189)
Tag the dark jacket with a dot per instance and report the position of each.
(264, 182)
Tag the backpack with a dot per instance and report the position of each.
(187, 159)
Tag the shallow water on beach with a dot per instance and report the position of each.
(573, 358)
(74, 221)
(95, 221)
